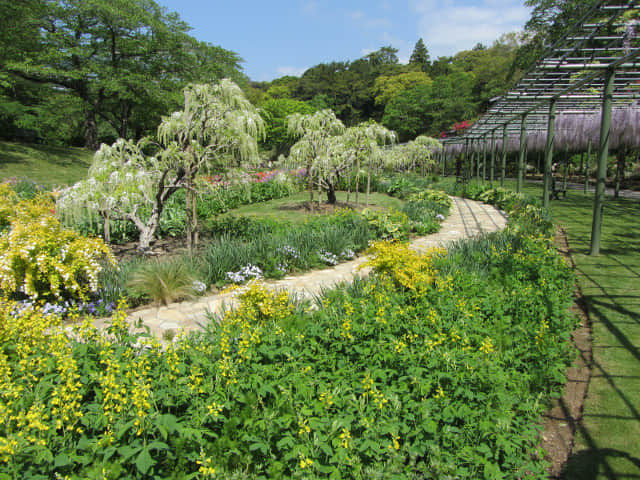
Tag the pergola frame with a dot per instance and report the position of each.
(593, 70)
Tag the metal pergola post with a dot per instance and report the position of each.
(548, 154)
(504, 155)
(493, 157)
(478, 160)
(587, 167)
(484, 158)
(603, 155)
(466, 158)
(522, 153)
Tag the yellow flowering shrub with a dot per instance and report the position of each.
(41, 259)
(8, 200)
(406, 267)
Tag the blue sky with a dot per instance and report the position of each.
(276, 37)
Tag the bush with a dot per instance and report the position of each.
(40, 259)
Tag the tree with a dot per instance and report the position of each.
(365, 141)
(125, 183)
(126, 60)
(431, 109)
(386, 86)
(413, 154)
(274, 113)
(420, 56)
(314, 131)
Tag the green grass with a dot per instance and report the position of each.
(608, 440)
(607, 443)
(286, 208)
(47, 165)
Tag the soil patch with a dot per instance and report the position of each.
(561, 420)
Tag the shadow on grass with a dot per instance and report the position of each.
(17, 153)
(608, 447)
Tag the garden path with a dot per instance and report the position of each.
(467, 219)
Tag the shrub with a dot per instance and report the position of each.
(42, 260)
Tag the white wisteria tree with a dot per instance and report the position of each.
(217, 120)
(414, 154)
(365, 142)
(314, 130)
(218, 126)
(328, 150)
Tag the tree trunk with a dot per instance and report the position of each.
(357, 181)
(107, 230)
(310, 187)
(194, 219)
(368, 183)
(90, 130)
(148, 230)
(188, 210)
(331, 194)
(348, 186)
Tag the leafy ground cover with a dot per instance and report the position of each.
(444, 374)
(46, 165)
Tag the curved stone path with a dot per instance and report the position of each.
(467, 219)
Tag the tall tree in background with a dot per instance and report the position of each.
(420, 56)
(126, 61)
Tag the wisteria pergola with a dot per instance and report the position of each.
(570, 97)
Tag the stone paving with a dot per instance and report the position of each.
(467, 219)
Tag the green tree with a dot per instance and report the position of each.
(275, 113)
(420, 56)
(386, 86)
(431, 109)
(126, 60)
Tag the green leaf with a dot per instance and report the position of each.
(144, 461)
(62, 460)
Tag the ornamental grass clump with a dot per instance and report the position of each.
(164, 281)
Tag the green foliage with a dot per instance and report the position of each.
(164, 281)
(431, 369)
(121, 65)
(388, 224)
(420, 56)
(386, 87)
(275, 112)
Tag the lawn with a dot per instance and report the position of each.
(288, 208)
(47, 165)
(608, 440)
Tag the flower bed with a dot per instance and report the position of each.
(436, 366)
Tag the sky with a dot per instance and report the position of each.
(277, 37)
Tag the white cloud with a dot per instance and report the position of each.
(448, 27)
(293, 71)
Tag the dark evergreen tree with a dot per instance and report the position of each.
(420, 56)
